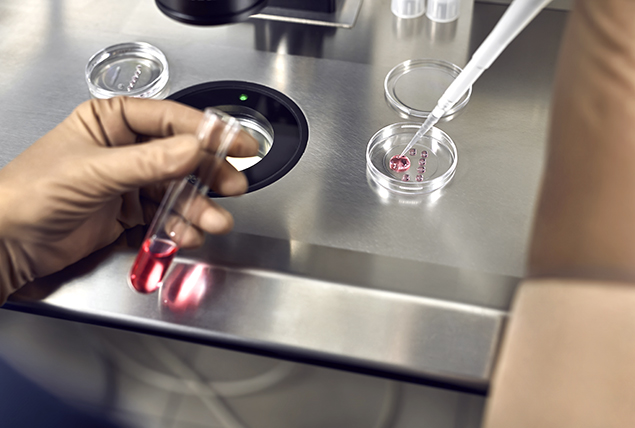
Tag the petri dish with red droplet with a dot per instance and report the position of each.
(388, 142)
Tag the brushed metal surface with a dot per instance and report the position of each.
(321, 266)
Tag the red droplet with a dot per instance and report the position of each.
(399, 163)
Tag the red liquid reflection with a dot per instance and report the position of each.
(153, 260)
(185, 287)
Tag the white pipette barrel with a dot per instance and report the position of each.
(517, 16)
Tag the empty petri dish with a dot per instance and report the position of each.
(132, 69)
(433, 159)
(414, 87)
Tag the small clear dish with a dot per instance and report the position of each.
(413, 88)
(135, 69)
(433, 159)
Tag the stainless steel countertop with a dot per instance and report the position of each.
(320, 267)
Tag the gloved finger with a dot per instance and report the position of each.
(187, 223)
(209, 216)
(200, 211)
(193, 238)
(186, 234)
(229, 181)
(121, 120)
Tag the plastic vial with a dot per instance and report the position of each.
(443, 10)
(408, 8)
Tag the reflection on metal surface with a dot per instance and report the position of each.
(24, 34)
(441, 32)
(185, 287)
(344, 16)
(390, 198)
(281, 72)
(405, 29)
(291, 39)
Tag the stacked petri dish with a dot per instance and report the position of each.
(412, 89)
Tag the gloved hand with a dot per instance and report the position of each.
(100, 171)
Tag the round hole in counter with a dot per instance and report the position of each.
(271, 117)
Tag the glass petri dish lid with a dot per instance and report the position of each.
(135, 69)
(413, 87)
(432, 160)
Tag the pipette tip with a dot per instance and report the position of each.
(425, 127)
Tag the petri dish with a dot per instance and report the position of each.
(414, 87)
(435, 152)
(135, 69)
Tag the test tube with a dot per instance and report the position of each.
(172, 222)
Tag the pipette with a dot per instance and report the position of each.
(514, 20)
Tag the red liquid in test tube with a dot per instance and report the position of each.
(153, 260)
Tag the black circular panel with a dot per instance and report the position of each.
(291, 131)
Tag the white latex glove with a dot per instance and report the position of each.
(77, 189)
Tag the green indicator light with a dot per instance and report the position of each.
(243, 97)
